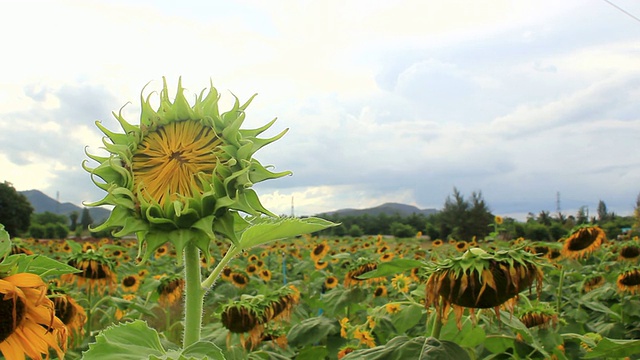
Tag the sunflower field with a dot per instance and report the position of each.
(340, 298)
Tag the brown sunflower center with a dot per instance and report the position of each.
(632, 278)
(65, 311)
(129, 281)
(582, 239)
(630, 252)
(12, 312)
(168, 160)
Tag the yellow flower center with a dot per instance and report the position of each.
(169, 159)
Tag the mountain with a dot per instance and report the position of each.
(42, 203)
(386, 208)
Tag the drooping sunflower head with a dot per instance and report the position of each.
(480, 279)
(170, 290)
(96, 272)
(629, 281)
(583, 241)
(184, 170)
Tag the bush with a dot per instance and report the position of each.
(36, 231)
(537, 232)
(401, 230)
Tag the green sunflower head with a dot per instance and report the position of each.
(183, 174)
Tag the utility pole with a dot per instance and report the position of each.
(558, 202)
(292, 213)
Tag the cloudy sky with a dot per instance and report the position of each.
(385, 101)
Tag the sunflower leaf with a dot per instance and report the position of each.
(41, 265)
(5, 243)
(614, 348)
(130, 341)
(403, 347)
(262, 230)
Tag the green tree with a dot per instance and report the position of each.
(85, 219)
(603, 214)
(73, 217)
(36, 231)
(462, 219)
(15, 210)
(401, 230)
(48, 217)
(355, 230)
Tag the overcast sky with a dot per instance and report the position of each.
(386, 101)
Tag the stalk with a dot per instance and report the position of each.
(194, 296)
(559, 296)
(231, 253)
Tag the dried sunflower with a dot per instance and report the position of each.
(183, 172)
(72, 315)
(96, 272)
(28, 325)
(170, 290)
(479, 279)
(583, 241)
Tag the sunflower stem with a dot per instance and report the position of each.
(559, 296)
(194, 296)
(437, 325)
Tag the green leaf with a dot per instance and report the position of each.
(312, 330)
(129, 341)
(407, 318)
(393, 267)
(312, 353)
(420, 348)
(5, 243)
(42, 265)
(614, 348)
(265, 229)
(201, 350)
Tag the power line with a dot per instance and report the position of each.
(623, 10)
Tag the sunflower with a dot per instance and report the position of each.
(380, 291)
(498, 220)
(539, 318)
(239, 279)
(346, 350)
(130, 283)
(365, 338)
(344, 326)
(401, 283)
(184, 171)
(583, 241)
(437, 243)
(88, 247)
(330, 282)
(382, 249)
(320, 264)
(478, 279)
(592, 283)
(629, 281)
(251, 269)
(225, 274)
(96, 272)
(319, 251)
(387, 257)
(72, 315)
(170, 290)
(265, 275)
(161, 251)
(629, 252)
(361, 267)
(462, 246)
(392, 308)
(28, 325)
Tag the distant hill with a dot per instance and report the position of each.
(386, 208)
(42, 203)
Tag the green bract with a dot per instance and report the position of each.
(182, 174)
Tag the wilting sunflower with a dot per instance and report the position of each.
(539, 319)
(28, 325)
(629, 252)
(361, 267)
(130, 283)
(183, 172)
(70, 313)
(592, 283)
(478, 279)
(583, 241)
(330, 282)
(629, 281)
(170, 290)
(96, 272)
